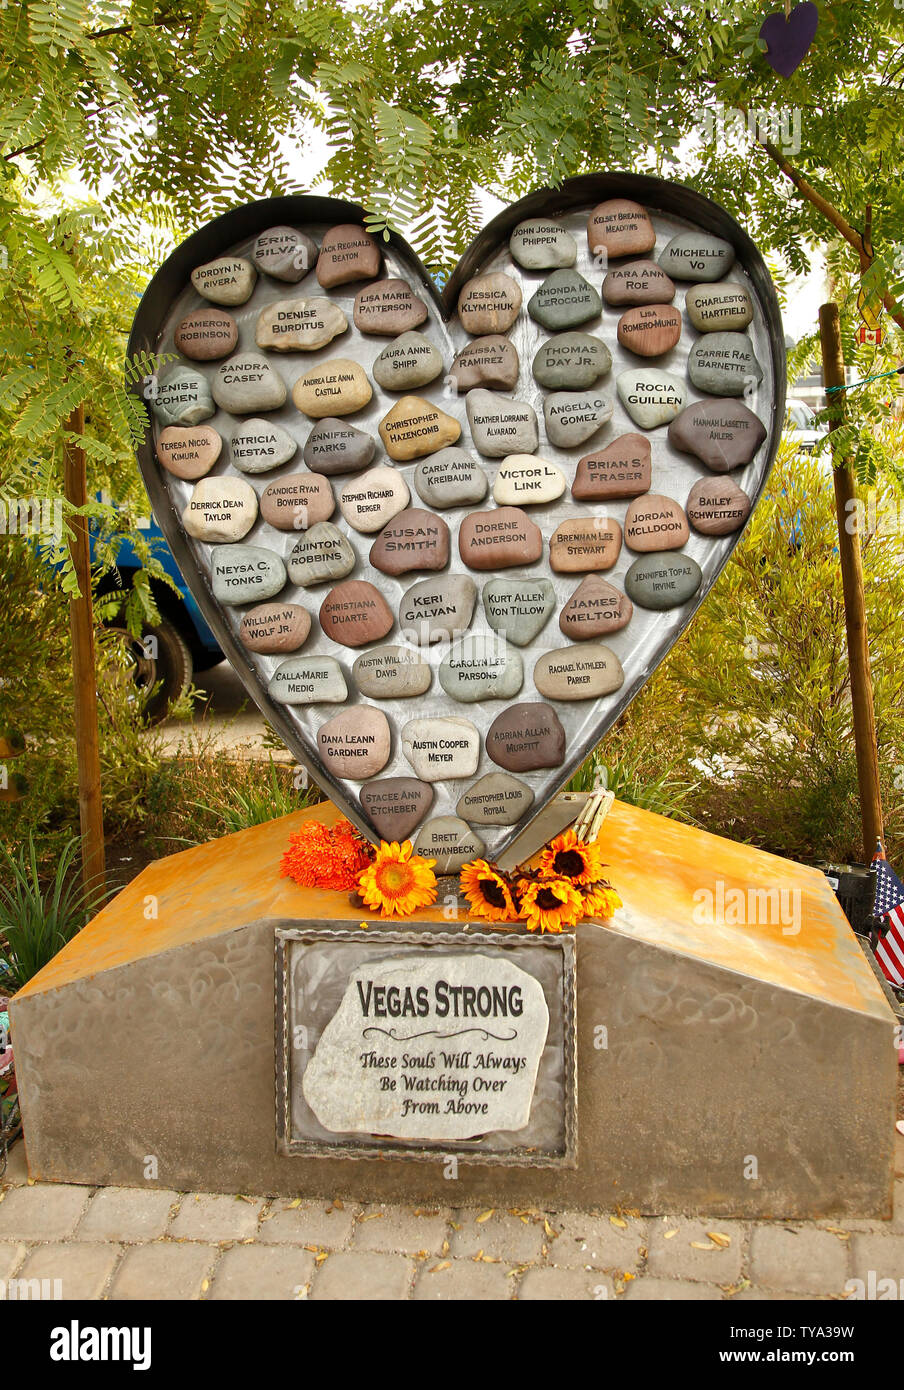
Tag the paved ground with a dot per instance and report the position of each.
(227, 721)
(124, 1243)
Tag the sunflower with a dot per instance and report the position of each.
(550, 903)
(397, 882)
(601, 900)
(488, 892)
(568, 857)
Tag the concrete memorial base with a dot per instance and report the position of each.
(735, 1053)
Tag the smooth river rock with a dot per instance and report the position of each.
(620, 227)
(622, 469)
(499, 539)
(334, 447)
(583, 672)
(651, 396)
(391, 673)
(395, 805)
(489, 303)
(322, 553)
(354, 612)
(573, 417)
(284, 254)
(299, 325)
(414, 428)
(443, 748)
(649, 330)
(220, 509)
(436, 609)
(500, 425)
(697, 256)
(526, 737)
(541, 243)
(717, 506)
(259, 445)
(640, 282)
(246, 573)
(595, 609)
(297, 502)
(496, 799)
(525, 480)
(337, 387)
(585, 543)
(663, 581)
(375, 498)
(518, 608)
(347, 253)
(206, 335)
(272, 628)
(414, 540)
(491, 361)
(450, 841)
(564, 300)
(247, 383)
(227, 280)
(409, 361)
(571, 361)
(188, 452)
(182, 397)
(723, 434)
(388, 308)
(724, 364)
(722, 308)
(655, 522)
(450, 478)
(308, 680)
(482, 666)
(356, 743)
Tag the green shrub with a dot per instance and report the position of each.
(38, 917)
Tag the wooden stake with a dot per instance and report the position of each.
(854, 601)
(75, 486)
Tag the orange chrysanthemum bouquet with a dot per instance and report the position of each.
(566, 885)
(390, 880)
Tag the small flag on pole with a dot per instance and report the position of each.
(888, 904)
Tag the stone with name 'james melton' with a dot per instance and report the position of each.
(573, 417)
(354, 612)
(620, 227)
(527, 737)
(182, 397)
(639, 282)
(651, 396)
(622, 469)
(297, 502)
(347, 253)
(482, 666)
(414, 428)
(206, 335)
(415, 539)
(285, 254)
(655, 522)
(541, 243)
(723, 308)
(518, 608)
(595, 609)
(564, 300)
(299, 325)
(441, 749)
(649, 330)
(408, 362)
(450, 478)
(308, 680)
(227, 280)
(337, 387)
(355, 744)
(697, 256)
(571, 361)
(501, 425)
(396, 805)
(246, 573)
(717, 506)
(586, 671)
(496, 799)
(220, 510)
(321, 554)
(259, 445)
(247, 383)
(723, 434)
(585, 543)
(335, 447)
(391, 673)
(388, 308)
(450, 842)
(188, 452)
(499, 539)
(435, 609)
(489, 303)
(374, 498)
(525, 480)
(490, 361)
(724, 364)
(271, 628)
(663, 580)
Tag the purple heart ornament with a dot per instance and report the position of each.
(789, 39)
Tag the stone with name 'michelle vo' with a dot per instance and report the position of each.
(697, 256)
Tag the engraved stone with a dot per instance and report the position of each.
(651, 396)
(441, 748)
(188, 453)
(336, 387)
(387, 308)
(482, 666)
(220, 509)
(285, 254)
(409, 361)
(413, 540)
(640, 282)
(496, 799)
(723, 434)
(414, 428)
(356, 743)
(500, 425)
(450, 841)
(299, 325)
(649, 330)
(526, 480)
(542, 244)
(622, 469)
(491, 361)
(227, 280)
(724, 364)
(583, 672)
(435, 609)
(663, 581)
(308, 680)
(489, 303)
(499, 539)
(526, 737)
(391, 673)
(585, 543)
(717, 506)
(323, 553)
(296, 502)
(247, 383)
(347, 253)
(258, 445)
(395, 805)
(571, 361)
(620, 228)
(450, 478)
(354, 613)
(206, 335)
(518, 608)
(655, 522)
(374, 499)
(275, 627)
(334, 446)
(723, 308)
(183, 397)
(246, 573)
(571, 417)
(697, 256)
(564, 300)
(595, 609)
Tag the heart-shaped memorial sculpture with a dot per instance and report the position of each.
(445, 540)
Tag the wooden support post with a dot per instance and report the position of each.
(75, 486)
(854, 601)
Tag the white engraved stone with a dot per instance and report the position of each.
(500, 425)
(220, 509)
(308, 680)
(374, 498)
(524, 480)
(441, 748)
(257, 446)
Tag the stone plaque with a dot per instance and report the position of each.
(426, 1042)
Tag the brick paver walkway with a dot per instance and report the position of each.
(123, 1243)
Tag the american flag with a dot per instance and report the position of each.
(888, 904)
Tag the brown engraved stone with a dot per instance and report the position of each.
(622, 469)
(717, 506)
(206, 335)
(649, 330)
(347, 253)
(620, 228)
(395, 805)
(655, 522)
(188, 451)
(595, 609)
(414, 540)
(275, 627)
(526, 737)
(489, 303)
(388, 308)
(354, 612)
(297, 501)
(586, 671)
(356, 744)
(640, 282)
(722, 433)
(491, 361)
(499, 539)
(414, 428)
(585, 543)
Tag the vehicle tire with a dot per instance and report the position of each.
(165, 662)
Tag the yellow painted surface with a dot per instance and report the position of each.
(798, 939)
